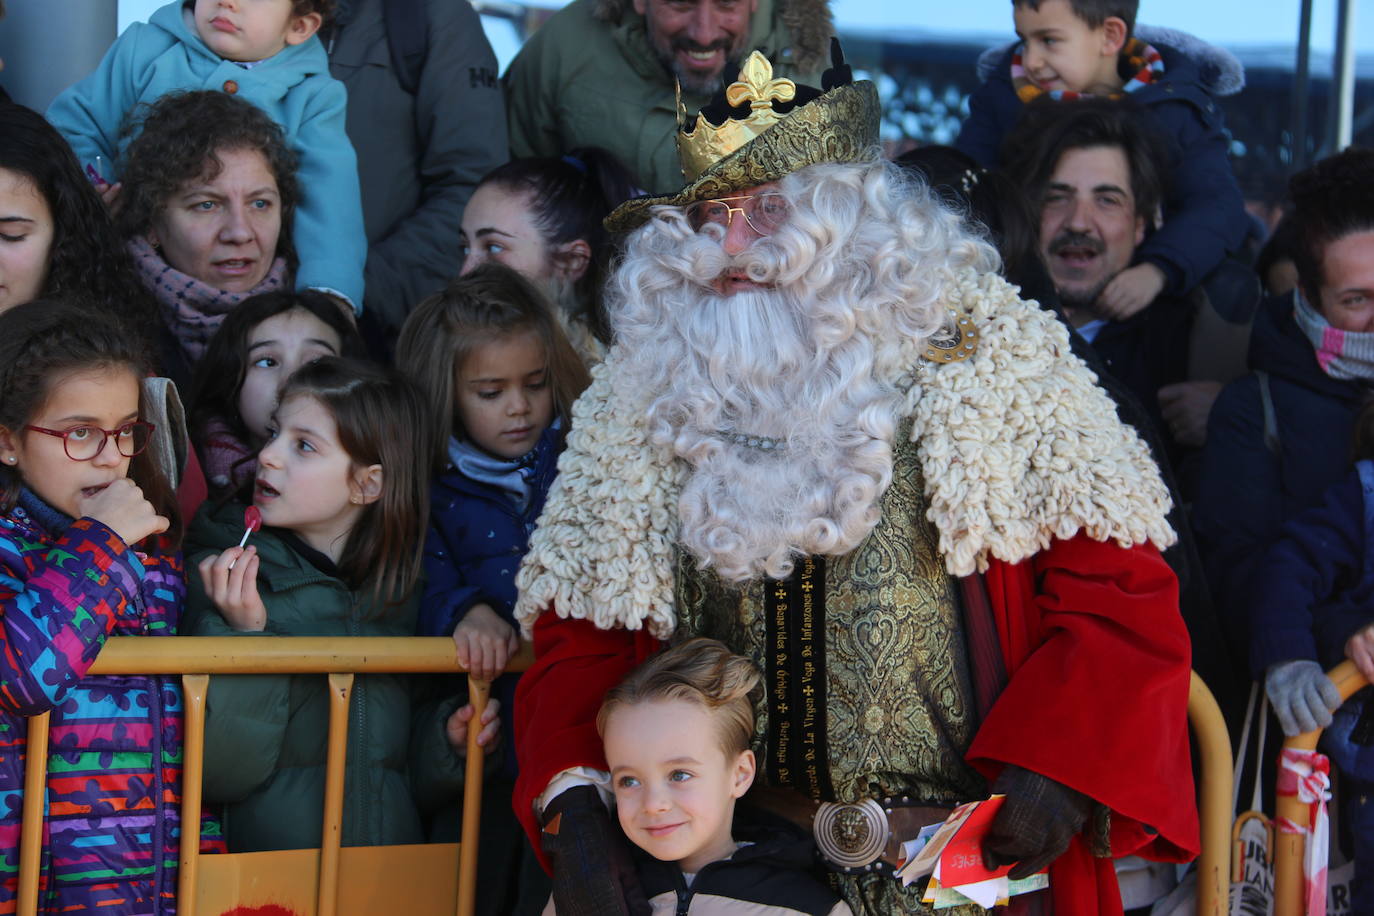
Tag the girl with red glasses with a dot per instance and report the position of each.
(88, 549)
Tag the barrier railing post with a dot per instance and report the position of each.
(1214, 749)
(478, 692)
(195, 687)
(211, 655)
(1288, 877)
(340, 687)
(35, 798)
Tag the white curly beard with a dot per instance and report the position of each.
(721, 371)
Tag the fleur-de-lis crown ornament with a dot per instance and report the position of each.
(786, 126)
(707, 143)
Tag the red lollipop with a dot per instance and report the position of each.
(252, 521)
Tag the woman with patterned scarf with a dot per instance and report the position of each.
(209, 188)
(1280, 436)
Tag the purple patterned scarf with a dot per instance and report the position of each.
(228, 461)
(192, 310)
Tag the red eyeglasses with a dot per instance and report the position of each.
(82, 443)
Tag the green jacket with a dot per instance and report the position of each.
(266, 735)
(588, 77)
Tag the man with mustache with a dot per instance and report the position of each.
(1093, 171)
(605, 72)
(830, 435)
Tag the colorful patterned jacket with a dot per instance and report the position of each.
(112, 826)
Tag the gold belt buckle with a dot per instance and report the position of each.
(851, 836)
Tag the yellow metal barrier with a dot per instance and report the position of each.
(346, 880)
(1214, 749)
(196, 658)
(1288, 880)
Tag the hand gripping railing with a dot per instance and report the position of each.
(1288, 878)
(195, 658)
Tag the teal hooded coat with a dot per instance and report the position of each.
(149, 60)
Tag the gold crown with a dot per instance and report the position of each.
(707, 143)
(838, 125)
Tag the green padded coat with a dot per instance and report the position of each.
(266, 735)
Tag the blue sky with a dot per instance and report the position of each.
(1224, 22)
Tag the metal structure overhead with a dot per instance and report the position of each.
(1343, 77)
(1300, 86)
(49, 44)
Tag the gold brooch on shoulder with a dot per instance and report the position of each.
(955, 342)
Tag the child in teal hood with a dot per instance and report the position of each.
(265, 52)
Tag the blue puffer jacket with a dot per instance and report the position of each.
(1316, 590)
(477, 538)
(1249, 488)
(1316, 586)
(1204, 213)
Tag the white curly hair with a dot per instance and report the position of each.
(783, 399)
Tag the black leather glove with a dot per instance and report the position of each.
(593, 874)
(1035, 824)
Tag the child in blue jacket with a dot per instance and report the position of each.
(1075, 48)
(501, 377)
(265, 52)
(1315, 609)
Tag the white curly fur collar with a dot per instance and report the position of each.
(1018, 446)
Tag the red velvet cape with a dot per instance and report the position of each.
(1098, 661)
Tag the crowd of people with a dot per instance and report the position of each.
(832, 491)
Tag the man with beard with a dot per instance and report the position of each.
(831, 436)
(1092, 170)
(604, 72)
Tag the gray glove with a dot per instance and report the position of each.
(1302, 695)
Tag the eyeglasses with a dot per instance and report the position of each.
(765, 213)
(82, 443)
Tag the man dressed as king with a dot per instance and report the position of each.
(831, 436)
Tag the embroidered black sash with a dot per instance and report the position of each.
(798, 756)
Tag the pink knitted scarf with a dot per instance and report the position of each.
(192, 310)
(1341, 354)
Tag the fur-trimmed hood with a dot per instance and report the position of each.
(1218, 71)
(1017, 444)
(808, 22)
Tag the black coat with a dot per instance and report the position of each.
(771, 876)
(421, 154)
(1249, 488)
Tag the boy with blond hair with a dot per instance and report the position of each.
(677, 732)
(1074, 48)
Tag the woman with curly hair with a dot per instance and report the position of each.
(56, 238)
(206, 208)
(264, 53)
(1280, 436)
